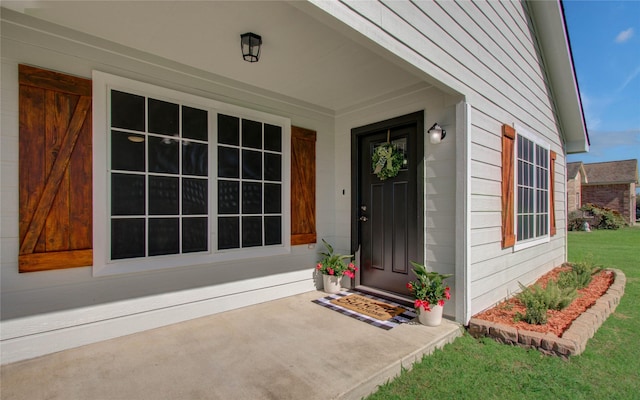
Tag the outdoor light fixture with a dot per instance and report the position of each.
(250, 44)
(436, 133)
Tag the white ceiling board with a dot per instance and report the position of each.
(301, 57)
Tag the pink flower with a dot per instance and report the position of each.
(350, 274)
(330, 270)
(352, 267)
(422, 303)
(319, 266)
(441, 303)
(446, 293)
(409, 286)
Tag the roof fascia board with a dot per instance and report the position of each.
(548, 18)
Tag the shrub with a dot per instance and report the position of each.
(538, 300)
(575, 221)
(603, 218)
(579, 276)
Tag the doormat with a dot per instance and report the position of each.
(364, 307)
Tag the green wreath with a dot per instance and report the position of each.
(387, 161)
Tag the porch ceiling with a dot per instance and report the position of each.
(301, 57)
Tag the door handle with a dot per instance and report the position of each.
(364, 219)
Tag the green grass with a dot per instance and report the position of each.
(609, 368)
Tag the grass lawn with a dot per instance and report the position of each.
(609, 368)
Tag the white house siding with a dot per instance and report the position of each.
(486, 51)
(48, 311)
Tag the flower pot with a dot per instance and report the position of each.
(431, 318)
(331, 283)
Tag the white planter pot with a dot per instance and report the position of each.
(331, 283)
(431, 318)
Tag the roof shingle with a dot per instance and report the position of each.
(625, 171)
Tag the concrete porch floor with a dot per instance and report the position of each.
(284, 349)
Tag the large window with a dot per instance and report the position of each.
(532, 189)
(182, 180)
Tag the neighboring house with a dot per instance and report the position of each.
(612, 185)
(150, 175)
(576, 177)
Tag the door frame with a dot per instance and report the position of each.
(357, 135)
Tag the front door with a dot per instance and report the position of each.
(387, 223)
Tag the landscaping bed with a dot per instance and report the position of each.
(566, 331)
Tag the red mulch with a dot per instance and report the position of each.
(558, 321)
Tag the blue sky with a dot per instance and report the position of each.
(605, 40)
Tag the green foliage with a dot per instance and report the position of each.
(472, 368)
(575, 221)
(538, 300)
(429, 289)
(579, 276)
(603, 218)
(335, 264)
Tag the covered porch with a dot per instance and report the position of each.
(283, 349)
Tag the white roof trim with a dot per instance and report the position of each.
(548, 18)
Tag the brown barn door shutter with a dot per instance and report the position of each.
(303, 186)
(55, 170)
(508, 194)
(552, 189)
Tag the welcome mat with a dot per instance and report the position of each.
(364, 307)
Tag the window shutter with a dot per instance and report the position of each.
(508, 195)
(552, 187)
(303, 186)
(55, 180)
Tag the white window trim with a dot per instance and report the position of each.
(524, 244)
(102, 265)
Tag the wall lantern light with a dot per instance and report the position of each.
(436, 133)
(250, 44)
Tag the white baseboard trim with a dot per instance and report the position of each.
(34, 344)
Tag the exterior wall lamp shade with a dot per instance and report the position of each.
(250, 44)
(436, 133)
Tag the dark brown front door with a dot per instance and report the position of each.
(386, 222)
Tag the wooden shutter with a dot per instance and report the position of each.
(552, 187)
(55, 180)
(508, 194)
(303, 186)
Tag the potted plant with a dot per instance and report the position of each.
(333, 266)
(430, 293)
